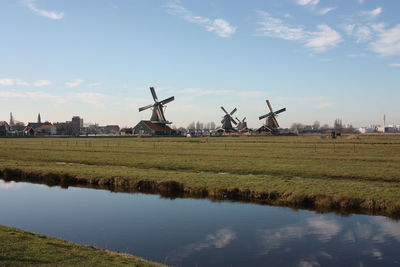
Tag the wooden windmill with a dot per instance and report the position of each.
(271, 123)
(228, 120)
(242, 125)
(158, 108)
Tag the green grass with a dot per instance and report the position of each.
(366, 168)
(21, 248)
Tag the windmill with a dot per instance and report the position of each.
(242, 125)
(228, 120)
(158, 108)
(271, 124)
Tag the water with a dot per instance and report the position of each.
(192, 232)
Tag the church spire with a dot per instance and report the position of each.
(11, 119)
(39, 120)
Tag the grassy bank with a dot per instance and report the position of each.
(359, 173)
(21, 248)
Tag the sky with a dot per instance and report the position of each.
(321, 59)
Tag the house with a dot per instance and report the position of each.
(126, 131)
(4, 128)
(152, 128)
(111, 129)
(28, 131)
(46, 129)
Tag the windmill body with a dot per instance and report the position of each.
(271, 123)
(157, 125)
(158, 107)
(227, 121)
(242, 125)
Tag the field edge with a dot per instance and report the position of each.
(340, 204)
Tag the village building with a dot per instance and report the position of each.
(126, 131)
(111, 129)
(152, 128)
(28, 131)
(4, 128)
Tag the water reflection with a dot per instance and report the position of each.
(220, 239)
(189, 232)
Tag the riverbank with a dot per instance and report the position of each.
(22, 248)
(360, 174)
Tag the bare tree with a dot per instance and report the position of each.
(316, 125)
(212, 125)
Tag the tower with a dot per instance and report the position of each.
(11, 119)
(39, 120)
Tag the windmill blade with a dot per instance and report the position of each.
(244, 119)
(275, 122)
(280, 111)
(232, 120)
(153, 93)
(145, 107)
(269, 105)
(264, 116)
(237, 119)
(165, 101)
(224, 110)
(223, 120)
(233, 111)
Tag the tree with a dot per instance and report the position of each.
(191, 127)
(337, 125)
(212, 125)
(316, 125)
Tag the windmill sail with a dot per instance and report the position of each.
(158, 107)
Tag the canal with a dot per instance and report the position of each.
(200, 232)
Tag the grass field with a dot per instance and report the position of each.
(21, 248)
(362, 172)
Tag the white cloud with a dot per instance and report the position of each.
(326, 10)
(12, 82)
(251, 93)
(349, 28)
(95, 84)
(307, 2)
(94, 99)
(74, 83)
(362, 34)
(397, 65)
(388, 43)
(41, 12)
(360, 2)
(323, 39)
(220, 92)
(324, 105)
(372, 13)
(30, 95)
(40, 83)
(319, 41)
(220, 26)
(274, 27)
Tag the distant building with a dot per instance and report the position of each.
(76, 125)
(126, 131)
(4, 128)
(151, 128)
(111, 129)
(28, 131)
(45, 129)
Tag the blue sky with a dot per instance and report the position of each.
(321, 59)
